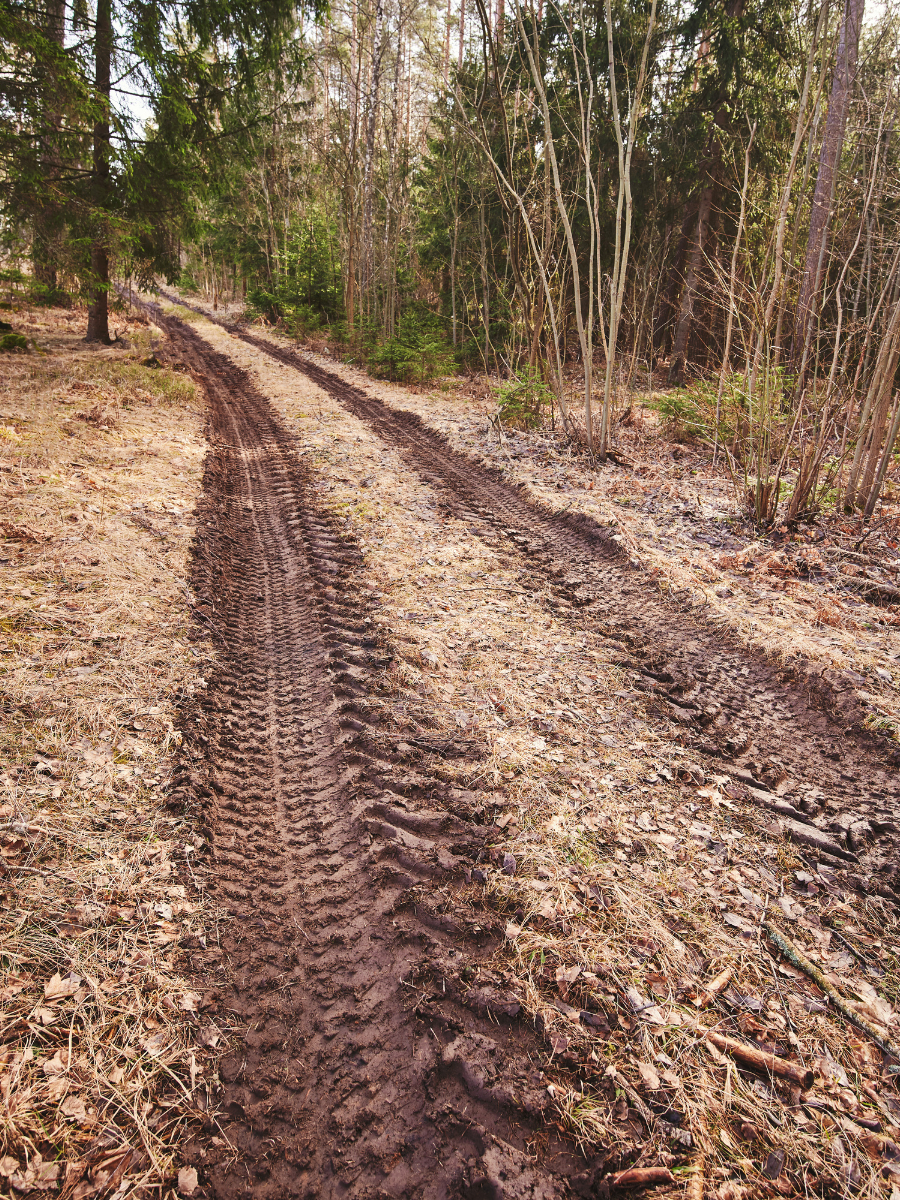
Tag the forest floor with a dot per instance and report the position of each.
(505, 840)
(102, 1061)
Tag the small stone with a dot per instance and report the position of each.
(509, 864)
(187, 1181)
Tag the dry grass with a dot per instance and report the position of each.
(627, 878)
(792, 597)
(104, 1060)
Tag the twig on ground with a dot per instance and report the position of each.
(759, 1060)
(640, 1177)
(799, 960)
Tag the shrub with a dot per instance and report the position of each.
(415, 354)
(522, 399)
(682, 412)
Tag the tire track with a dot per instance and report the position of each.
(365, 1070)
(795, 733)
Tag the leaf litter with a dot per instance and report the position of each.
(104, 1061)
(631, 884)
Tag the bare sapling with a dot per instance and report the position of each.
(623, 200)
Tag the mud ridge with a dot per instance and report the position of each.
(795, 731)
(367, 1067)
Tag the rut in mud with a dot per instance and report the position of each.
(363, 1071)
(796, 733)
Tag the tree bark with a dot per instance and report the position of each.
(685, 322)
(674, 278)
(367, 258)
(98, 312)
(829, 157)
(43, 245)
(485, 287)
(447, 43)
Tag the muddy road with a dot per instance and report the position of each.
(368, 1067)
(364, 1070)
(794, 737)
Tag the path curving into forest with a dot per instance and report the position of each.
(795, 737)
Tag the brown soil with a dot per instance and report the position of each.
(362, 1071)
(798, 734)
(368, 1067)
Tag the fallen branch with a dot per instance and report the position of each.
(759, 1060)
(717, 985)
(799, 960)
(871, 589)
(640, 1177)
(696, 1184)
(37, 871)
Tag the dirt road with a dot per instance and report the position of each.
(799, 736)
(367, 1069)
(350, 1080)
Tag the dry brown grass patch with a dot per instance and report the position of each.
(104, 1056)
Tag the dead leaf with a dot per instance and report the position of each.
(58, 988)
(155, 1044)
(872, 1003)
(643, 1008)
(187, 1181)
(58, 1064)
(73, 1108)
(567, 974)
(649, 1077)
(14, 985)
(38, 1176)
(209, 1036)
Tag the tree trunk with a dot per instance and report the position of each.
(98, 312)
(447, 44)
(485, 288)
(44, 239)
(674, 278)
(829, 157)
(682, 339)
(367, 257)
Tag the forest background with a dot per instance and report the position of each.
(696, 198)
